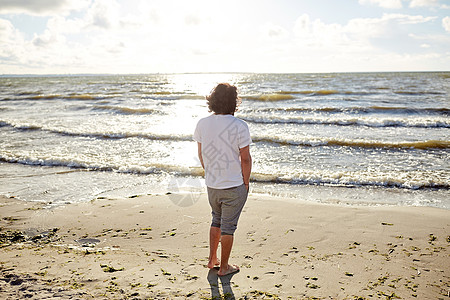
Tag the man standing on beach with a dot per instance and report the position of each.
(224, 152)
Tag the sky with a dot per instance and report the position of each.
(274, 36)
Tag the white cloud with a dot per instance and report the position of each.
(301, 26)
(446, 23)
(423, 3)
(393, 4)
(6, 30)
(72, 44)
(41, 7)
(274, 32)
(192, 19)
(397, 4)
(318, 34)
(407, 19)
(11, 42)
(104, 14)
(151, 36)
(62, 25)
(45, 40)
(154, 38)
(362, 41)
(389, 26)
(359, 27)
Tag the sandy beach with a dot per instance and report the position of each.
(148, 247)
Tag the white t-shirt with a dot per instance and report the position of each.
(221, 137)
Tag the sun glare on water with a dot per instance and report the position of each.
(198, 84)
(190, 90)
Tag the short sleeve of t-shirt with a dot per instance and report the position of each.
(244, 138)
(197, 134)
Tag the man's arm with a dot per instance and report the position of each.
(200, 157)
(246, 164)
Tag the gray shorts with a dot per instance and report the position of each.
(227, 205)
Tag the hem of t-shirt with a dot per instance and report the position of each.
(240, 147)
(226, 187)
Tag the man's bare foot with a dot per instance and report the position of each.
(230, 270)
(213, 263)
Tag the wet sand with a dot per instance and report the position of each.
(151, 247)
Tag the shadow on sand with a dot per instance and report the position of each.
(213, 280)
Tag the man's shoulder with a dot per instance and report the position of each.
(204, 120)
(241, 122)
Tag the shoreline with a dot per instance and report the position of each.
(49, 184)
(150, 247)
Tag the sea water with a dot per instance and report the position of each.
(345, 138)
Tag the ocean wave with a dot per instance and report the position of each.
(348, 122)
(422, 145)
(20, 126)
(153, 92)
(312, 92)
(128, 110)
(356, 179)
(418, 93)
(45, 97)
(191, 97)
(426, 110)
(163, 93)
(158, 94)
(269, 97)
(287, 95)
(154, 168)
(99, 135)
(40, 96)
(326, 92)
(351, 180)
(65, 97)
(125, 135)
(28, 93)
(357, 110)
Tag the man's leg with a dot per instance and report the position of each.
(214, 230)
(231, 210)
(214, 239)
(227, 244)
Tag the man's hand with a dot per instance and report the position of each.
(200, 157)
(246, 165)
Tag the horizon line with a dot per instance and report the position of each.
(181, 73)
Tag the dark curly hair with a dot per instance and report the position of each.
(223, 99)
